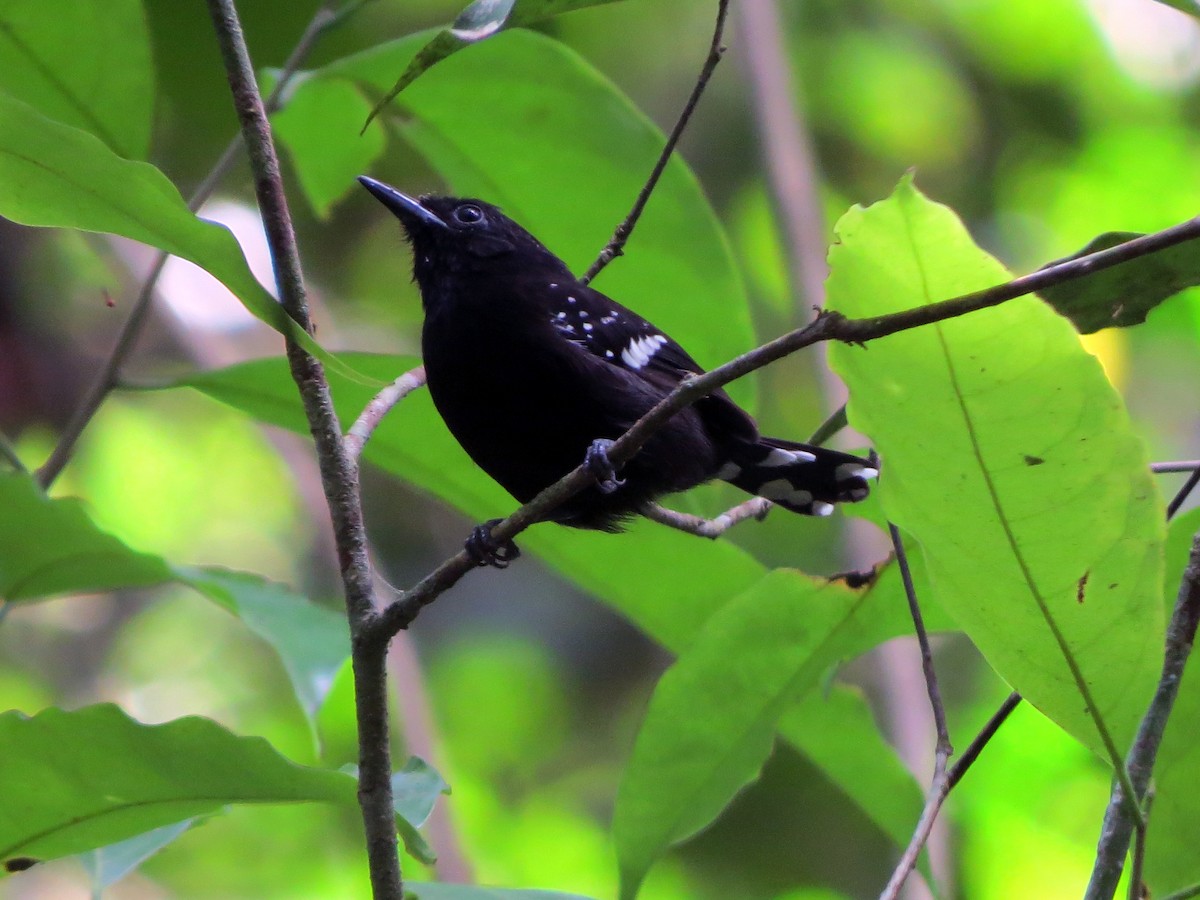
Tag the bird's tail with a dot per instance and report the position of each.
(805, 479)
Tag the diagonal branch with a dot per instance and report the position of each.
(616, 244)
(828, 326)
(1119, 821)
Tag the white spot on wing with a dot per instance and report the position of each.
(821, 508)
(729, 470)
(587, 326)
(846, 471)
(641, 350)
(778, 457)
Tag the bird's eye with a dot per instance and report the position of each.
(468, 214)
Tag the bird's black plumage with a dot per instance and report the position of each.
(528, 367)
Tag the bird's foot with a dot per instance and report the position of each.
(486, 550)
(601, 466)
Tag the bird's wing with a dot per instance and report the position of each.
(631, 344)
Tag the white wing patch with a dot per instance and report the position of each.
(641, 350)
(779, 457)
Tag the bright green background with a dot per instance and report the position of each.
(1011, 461)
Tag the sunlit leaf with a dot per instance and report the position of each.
(50, 547)
(90, 69)
(56, 176)
(1124, 295)
(479, 21)
(1012, 461)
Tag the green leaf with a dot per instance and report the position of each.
(108, 865)
(56, 176)
(1011, 459)
(712, 720)
(1123, 295)
(526, 123)
(74, 781)
(479, 21)
(51, 547)
(312, 641)
(436, 891)
(69, 67)
(320, 129)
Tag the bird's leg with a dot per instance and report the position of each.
(486, 550)
(601, 466)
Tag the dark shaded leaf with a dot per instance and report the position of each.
(1124, 295)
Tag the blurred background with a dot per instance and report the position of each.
(1042, 122)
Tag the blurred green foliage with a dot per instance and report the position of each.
(1041, 122)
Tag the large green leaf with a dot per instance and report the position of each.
(90, 68)
(1012, 461)
(51, 547)
(714, 714)
(74, 781)
(479, 21)
(525, 122)
(53, 175)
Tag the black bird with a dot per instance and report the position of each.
(533, 371)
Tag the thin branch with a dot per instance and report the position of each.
(964, 762)
(1139, 849)
(364, 426)
(339, 472)
(914, 608)
(938, 790)
(9, 454)
(940, 786)
(616, 244)
(1183, 493)
(107, 378)
(828, 326)
(1183, 465)
(1119, 821)
(754, 508)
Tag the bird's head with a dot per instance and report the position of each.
(455, 235)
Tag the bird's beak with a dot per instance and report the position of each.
(405, 208)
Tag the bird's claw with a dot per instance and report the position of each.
(486, 550)
(601, 466)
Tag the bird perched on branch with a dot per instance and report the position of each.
(535, 373)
